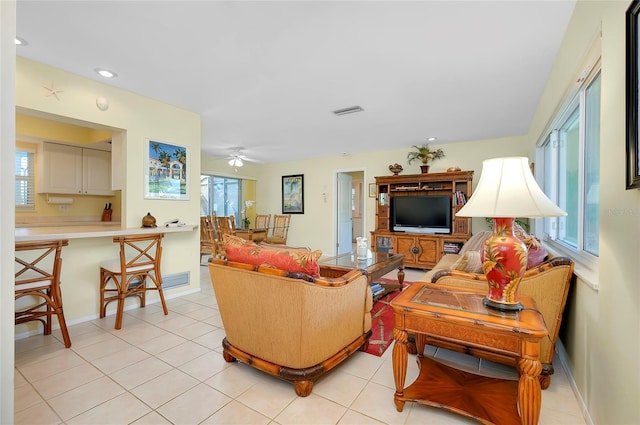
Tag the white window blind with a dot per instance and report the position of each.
(25, 185)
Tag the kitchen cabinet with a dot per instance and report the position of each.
(73, 170)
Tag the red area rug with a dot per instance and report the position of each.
(382, 322)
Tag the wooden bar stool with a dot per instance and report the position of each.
(37, 284)
(133, 274)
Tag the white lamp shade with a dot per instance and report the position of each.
(508, 189)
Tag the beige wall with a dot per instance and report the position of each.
(601, 334)
(132, 119)
(315, 228)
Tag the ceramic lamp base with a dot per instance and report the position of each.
(504, 263)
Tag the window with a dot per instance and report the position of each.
(25, 185)
(571, 171)
(221, 196)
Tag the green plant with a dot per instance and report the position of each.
(424, 154)
(524, 222)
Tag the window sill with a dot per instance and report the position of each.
(587, 271)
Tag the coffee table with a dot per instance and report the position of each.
(375, 267)
(451, 317)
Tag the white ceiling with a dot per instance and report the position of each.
(266, 75)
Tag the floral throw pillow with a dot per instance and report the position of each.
(290, 259)
(536, 252)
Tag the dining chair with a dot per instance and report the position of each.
(207, 237)
(263, 221)
(225, 225)
(280, 229)
(38, 297)
(135, 272)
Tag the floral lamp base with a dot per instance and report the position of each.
(504, 263)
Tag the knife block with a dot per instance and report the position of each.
(106, 215)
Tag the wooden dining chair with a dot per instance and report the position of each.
(135, 272)
(207, 237)
(263, 221)
(225, 225)
(280, 229)
(37, 284)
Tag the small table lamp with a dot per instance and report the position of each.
(506, 190)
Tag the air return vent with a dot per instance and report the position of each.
(349, 110)
(175, 280)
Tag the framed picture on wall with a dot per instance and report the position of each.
(633, 99)
(165, 171)
(373, 191)
(293, 194)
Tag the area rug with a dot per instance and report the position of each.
(382, 322)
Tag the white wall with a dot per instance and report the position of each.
(7, 202)
(601, 332)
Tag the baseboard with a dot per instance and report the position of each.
(110, 312)
(562, 356)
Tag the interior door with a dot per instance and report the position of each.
(345, 235)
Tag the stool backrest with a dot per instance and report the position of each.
(140, 254)
(38, 261)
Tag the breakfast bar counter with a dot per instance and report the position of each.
(25, 234)
(91, 244)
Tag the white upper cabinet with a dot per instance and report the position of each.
(73, 170)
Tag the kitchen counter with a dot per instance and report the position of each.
(106, 229)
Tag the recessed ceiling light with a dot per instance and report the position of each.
(21, 41)
(431, 139)
(349, 110)
(106, 73)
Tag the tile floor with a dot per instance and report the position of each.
(168, 370)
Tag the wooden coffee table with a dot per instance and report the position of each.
(456, 318)
(375, 267)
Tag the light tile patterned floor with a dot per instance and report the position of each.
(168, 370)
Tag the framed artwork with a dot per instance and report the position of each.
(165, 171)
(372, 190)
(293, 194)
(633, 100)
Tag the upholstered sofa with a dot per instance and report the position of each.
(290, 324)
(547, 282)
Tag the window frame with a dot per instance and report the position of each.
(30, 179)
(547, 228)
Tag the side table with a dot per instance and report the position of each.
(450, 317)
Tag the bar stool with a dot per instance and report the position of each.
(37, 276)
(133, 274)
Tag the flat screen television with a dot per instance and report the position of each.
(421, 214)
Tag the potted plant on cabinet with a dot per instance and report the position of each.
(424, 155)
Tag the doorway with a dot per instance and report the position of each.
(350, 209)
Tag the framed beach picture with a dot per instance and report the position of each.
(165, 171)
(293, 194)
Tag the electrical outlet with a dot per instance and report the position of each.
(64, 208)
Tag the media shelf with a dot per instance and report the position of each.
(422, 250)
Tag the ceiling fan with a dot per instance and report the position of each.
(237, 158)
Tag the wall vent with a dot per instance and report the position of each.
(349, 110)
(175, 280)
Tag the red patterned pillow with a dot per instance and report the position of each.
(289, 259)
(536, 252)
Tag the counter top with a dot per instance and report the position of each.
(26, 234)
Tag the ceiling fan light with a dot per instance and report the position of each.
(236, 162)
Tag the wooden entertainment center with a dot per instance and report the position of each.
(421, 250)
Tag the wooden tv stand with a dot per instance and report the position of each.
(421, 250)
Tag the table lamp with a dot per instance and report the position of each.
(506, 190)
